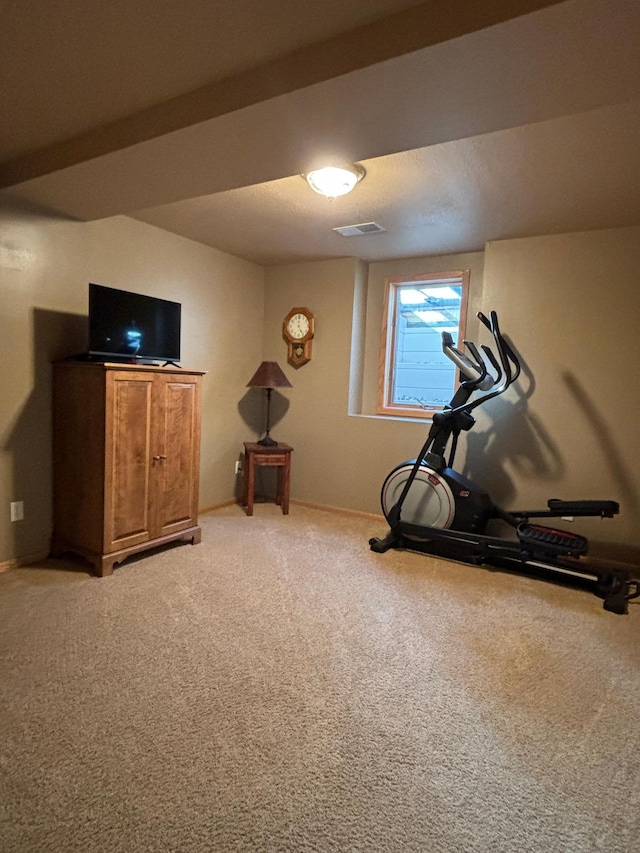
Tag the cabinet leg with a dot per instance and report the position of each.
(104, 566)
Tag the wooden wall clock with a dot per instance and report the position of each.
(297, 330)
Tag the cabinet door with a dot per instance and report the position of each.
(128, 463)
(177, 443)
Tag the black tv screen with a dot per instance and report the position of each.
(132, 326)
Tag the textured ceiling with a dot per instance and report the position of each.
(474, 123)
(576, 173)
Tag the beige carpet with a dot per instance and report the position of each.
(281, 688)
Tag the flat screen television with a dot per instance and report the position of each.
(131, 326)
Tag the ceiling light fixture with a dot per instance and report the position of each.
(333, 181)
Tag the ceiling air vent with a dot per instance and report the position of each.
(358, 230)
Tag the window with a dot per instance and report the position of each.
(416, 378)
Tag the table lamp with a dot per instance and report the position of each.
(269, 375)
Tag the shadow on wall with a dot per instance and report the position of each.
(55, 336)
(606, 440)
(630, 499)
(514, 438)
(253, 411)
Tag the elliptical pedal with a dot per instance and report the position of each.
(552, 541)
(605, 509)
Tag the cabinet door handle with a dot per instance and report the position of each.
(158, 458)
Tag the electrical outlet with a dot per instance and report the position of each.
(17, 510)
(238, 467)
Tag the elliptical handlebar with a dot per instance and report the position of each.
(494, 328)
(474, 372)
(505, 351)
(494, 362)
(508, 366)
(485, 381)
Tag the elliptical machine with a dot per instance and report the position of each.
(434, 509)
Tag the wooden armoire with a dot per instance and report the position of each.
(126, 457)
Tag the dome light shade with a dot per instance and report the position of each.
(333, 181)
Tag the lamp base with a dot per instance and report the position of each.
(267, 441)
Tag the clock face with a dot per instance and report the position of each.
(298, 326)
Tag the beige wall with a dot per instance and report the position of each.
(327, 454)
(341, 459)
(570, 305)
(45, 265)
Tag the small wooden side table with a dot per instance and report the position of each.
(273, 456)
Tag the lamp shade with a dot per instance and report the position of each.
(269, 375)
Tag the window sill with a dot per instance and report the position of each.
(412, 412)
(404, 418)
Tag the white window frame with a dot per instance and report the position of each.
(385, 404)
